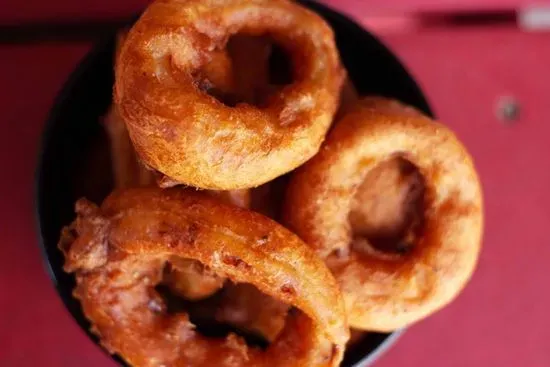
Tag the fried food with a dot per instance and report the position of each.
(228, 97)
(118, 253)
(327, 206)
(190, 136)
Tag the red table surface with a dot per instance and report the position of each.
(501, 319)
(28, 10)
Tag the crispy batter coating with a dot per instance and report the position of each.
(190, 136)
(387, 291)
(118, 253)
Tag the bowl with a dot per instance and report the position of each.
(74, 158)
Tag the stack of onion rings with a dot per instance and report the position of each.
(241, 71)
(197, 103)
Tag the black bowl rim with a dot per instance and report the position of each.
(47, 132)
(74, 78)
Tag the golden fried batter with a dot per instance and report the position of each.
(331, 206)
(118, 253)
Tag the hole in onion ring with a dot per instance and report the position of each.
(240, 309)
(387, 209)
(248, 70)
(260, 67)
(280, 67)
(201, 315)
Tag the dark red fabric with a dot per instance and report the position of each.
(502, 317)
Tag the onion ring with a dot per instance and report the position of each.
(193, 138)
(384, 292)
(118, 253)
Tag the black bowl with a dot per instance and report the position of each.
(74, 159)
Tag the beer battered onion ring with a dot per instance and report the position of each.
(193, 138)
(384, 291)
(118, 253)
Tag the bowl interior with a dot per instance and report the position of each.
(75, 162)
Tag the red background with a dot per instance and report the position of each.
(501, 319)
